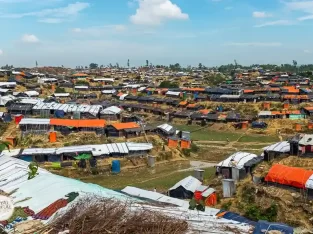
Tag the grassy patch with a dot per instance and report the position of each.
(162, 178)
(259, 138)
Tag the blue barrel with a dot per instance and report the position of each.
(116, 166)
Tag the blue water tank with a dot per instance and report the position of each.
(116, 166)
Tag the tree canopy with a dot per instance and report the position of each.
(168, 84)
(93, 66)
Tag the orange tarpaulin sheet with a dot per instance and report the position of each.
(172, 143)
(292, 176)
(120, 126)
(185, 144)
(183, 103)
(81, 123)
(291, 89)
(303, 97)
(248, 91)
(191, 105)
(293, 112)
(194, 89)
(204, 111)
(211, 200)
(308, 108)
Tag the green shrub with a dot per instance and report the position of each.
(226, 206)
(59, 90)
(256, 213)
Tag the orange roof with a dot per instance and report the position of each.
(80, 123)
(191, 105)
(121, 126)
(308, 108)
(292, 176)
(204, 111)
(194, 89)
(119, 94)
(291, 89)
(80, 74)
(293, 112)
(303, 97)
(248, 91)
(183, 103)
(274, 89)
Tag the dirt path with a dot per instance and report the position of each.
(10, 131)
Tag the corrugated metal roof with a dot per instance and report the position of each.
(38, 151)
(27, 121)
(139, 146)
(166, 127)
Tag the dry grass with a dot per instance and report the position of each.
(100, 215)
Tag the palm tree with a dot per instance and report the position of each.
(5, 145)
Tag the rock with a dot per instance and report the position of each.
(295, 195)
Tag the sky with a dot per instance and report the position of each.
(189, 32)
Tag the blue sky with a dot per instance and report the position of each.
(213, 32)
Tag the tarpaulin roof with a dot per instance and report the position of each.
(112, 110)
(235, 217)
(237, 160)
(155, 196)
(282, 147)
(92, 123)
(267, 226)
(291, 176)
(121, 126)
(190, 183)
(306, 139)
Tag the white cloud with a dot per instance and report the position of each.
(46, 15)
(307, 51)
(261, 14)
(304, 6)
(255, 44)
(308, 17)
(76, 30)
(1, 52)
(29, 38)
(155, 12)
(100, 30)
(275, 23)
(51, 20)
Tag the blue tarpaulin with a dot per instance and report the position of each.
(236, 217)
(259, 125)
(59, 114)
(7, 118)
(263, 227)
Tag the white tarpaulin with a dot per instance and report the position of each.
(237, 160)
(282, 147)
